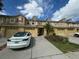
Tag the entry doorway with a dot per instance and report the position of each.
(40, 31)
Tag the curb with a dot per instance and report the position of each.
(3, 46)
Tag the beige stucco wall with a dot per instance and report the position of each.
(20, 29)
(65, 32)
(33, 31)
(2, 30)
(10, 31)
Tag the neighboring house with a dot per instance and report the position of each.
(12, 24)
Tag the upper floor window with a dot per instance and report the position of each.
(32, 22)
(12, 20)
(20, 20)
(27, 22)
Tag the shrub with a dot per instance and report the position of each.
(57, 38)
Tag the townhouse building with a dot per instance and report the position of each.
(12, 24)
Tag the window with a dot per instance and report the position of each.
(12, 20)
(77, 30)
(28, 34)
(20, 19)
(27, 22)
(20, 34)
(32, 22)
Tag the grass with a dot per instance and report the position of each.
(64, 46)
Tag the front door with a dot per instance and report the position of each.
(40, 31)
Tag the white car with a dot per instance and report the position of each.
(76, 34)
(19, 40)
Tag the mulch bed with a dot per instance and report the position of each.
(3, 46)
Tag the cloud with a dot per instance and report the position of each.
(19, 7)
(70, 10)
(3, 12)
(31, 9)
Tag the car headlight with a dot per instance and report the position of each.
(25, 39)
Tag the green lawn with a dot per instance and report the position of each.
(64, 47)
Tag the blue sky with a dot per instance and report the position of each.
(43, 9)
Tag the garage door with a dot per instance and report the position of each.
(9, 31)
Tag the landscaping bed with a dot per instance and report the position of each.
(62, 43)
(2, 46)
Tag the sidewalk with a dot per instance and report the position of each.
(2, 43)
(73, 55)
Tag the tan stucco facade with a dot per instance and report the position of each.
(8, 32)
(12, 24)
(65, 31)
(33, 31)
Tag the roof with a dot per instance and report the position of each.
(26, 26)
(10, 16)
(55, 21)
(41, 20)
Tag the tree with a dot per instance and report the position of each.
(1, 5)
(48, 28)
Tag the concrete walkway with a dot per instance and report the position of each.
(45, 50)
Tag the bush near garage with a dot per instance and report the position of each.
(57, 38)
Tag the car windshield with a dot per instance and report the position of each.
(20, 34)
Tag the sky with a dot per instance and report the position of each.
(43, 9)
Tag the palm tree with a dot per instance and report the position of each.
(1, 5)
(48, 28)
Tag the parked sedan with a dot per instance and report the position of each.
(19, 40)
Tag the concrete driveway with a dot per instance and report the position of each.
(39, 49)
